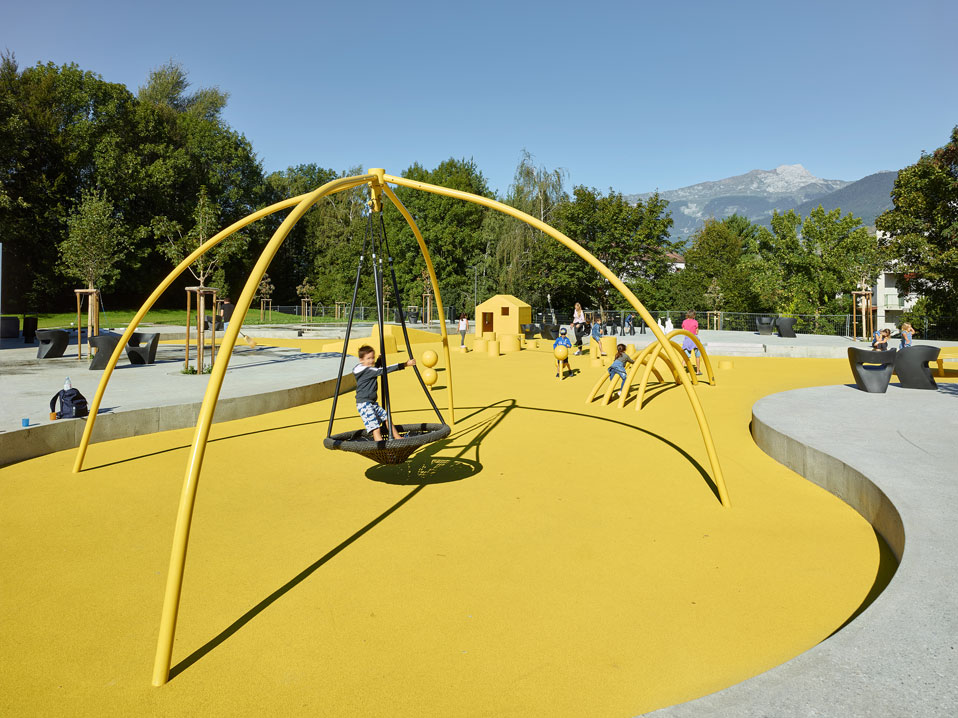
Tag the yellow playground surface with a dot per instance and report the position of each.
(549, 558)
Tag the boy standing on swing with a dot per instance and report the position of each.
(367, 373)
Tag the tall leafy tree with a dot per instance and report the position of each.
(452, 229)
(537, 191)
(922, 228)
(631, 240)
(179, 244)
(96, 242)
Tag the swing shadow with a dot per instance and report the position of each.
(455, 468)
(236, 625)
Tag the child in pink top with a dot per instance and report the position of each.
(692, 327)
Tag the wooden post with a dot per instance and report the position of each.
(186, 361)
(79, 328)
(213, 332)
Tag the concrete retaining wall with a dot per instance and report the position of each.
(34, 441)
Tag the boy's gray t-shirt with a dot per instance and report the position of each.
(367, 388)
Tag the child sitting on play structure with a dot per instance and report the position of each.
(562, 341)
(367, 373)
(596, 335)
(618, 365)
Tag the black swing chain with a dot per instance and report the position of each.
(376, 250)
(349, 324)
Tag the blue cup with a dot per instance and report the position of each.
(24, 422)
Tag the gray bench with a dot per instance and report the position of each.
(141, 348)
(872, 370)
(53, 342)
(786, 326)
(911, 366)
(104, 344)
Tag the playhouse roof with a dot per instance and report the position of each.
(500, 299)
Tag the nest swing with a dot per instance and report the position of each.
(414, 436)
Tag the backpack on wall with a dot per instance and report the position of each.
(72, 404)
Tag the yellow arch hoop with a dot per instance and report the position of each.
(664, 344)
(377, 180)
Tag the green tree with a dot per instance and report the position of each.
(631, 240)
(179, 244)
(922, 228)
(814, 261)
(451, 228)
(537, 191)
(96, 242)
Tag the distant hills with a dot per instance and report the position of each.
(758, 193)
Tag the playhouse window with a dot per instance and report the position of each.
(505, 311)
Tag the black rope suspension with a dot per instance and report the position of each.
(389, 450)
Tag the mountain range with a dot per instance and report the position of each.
(758, 193)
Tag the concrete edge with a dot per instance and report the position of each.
(836, 477)
(776, 684)
(34, 441)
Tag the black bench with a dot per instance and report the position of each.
(765, 325)
(104, 344)
(911, 366)
(141, 348)
(53, 342)
(872, 370)
(549, 331)
(786, 326)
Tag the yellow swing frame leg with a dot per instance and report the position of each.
(377, 180)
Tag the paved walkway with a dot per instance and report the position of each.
(892, 457)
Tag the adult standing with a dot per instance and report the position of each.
(578, 326)
(463, 328)
(226, 312)
(630, 324)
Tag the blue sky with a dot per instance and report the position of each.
(629, 95)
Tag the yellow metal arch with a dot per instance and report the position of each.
(664, 345)
(377, 181)
(432, 279)
(701, 348)
(148, 304)
(174, 580)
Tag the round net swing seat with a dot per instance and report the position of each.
(388, 451)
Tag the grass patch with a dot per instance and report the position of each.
(170, 317)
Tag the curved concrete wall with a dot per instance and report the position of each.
(893, 458)
(43, 439)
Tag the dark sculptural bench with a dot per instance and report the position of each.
(104, 344)
(872, 370)
(911, 366)
(53, 342)
(142, 348)
(549, 331)
(786, 326)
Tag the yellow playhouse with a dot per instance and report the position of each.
(502, 314)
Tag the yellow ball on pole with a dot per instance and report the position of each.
(429, 375)
(562, 353)
(429, 358)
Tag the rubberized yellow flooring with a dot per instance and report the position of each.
(549, 559)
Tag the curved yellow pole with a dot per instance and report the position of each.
(687, 360)
(595, 389)
(640, 361)
(432, 278)
(181, 534)
(148, 304)
(615, 282)
(698, 343)
(657, 349)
